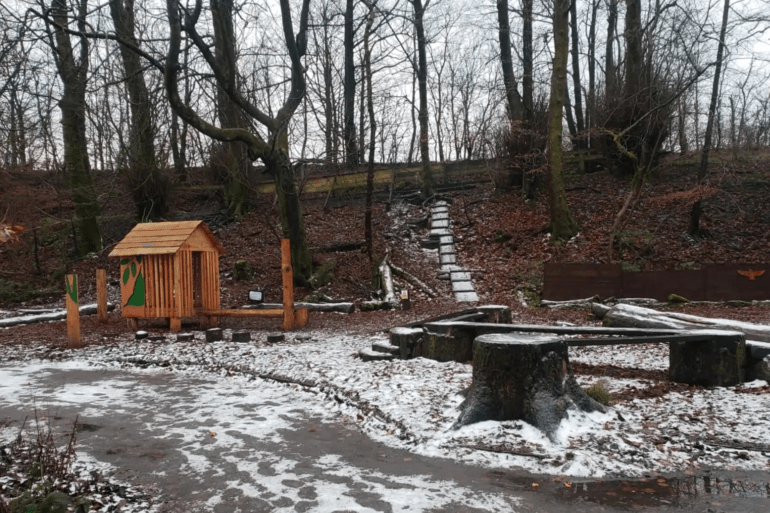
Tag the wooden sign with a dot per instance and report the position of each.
(73, 314)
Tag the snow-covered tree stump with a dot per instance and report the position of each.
(718, 361)
(525, 377)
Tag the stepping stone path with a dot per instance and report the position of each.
(441, 231)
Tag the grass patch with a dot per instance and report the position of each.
(600, 393)
(15, 292)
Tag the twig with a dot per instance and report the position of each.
(502, 450)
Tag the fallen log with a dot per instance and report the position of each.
(46, 317)
(637, 317)
(412, 279)
(347, 308)
(572, 303)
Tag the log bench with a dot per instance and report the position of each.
(696, 357)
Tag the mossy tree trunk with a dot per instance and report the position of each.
(563, 226)
(230, 160)
(150, 189)
(73, 73)
(272, 148)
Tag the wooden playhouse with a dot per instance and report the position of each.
(168, 270)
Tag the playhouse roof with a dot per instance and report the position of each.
(163, 238)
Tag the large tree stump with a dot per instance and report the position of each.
(717, 361)
(522, 377)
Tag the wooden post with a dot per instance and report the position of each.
(301, 317)
(288, 285)
(101, 295)
(73, 314)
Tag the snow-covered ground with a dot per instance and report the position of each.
(412, 404)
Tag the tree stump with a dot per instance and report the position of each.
(522, 377)
(716, 362)
(496, 314)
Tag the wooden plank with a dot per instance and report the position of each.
(101, 295)
(176, 262)
(239, 313)
(143, 251)
(661, 284)
(562, 282)
(73, 314)
(288, 285)
(301, 317)
(733, 281)
(215, 263)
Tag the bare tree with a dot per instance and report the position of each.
(150, 189)
(563, 226)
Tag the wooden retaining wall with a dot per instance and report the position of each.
(713, 282)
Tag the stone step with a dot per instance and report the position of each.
(460, 275)
(369, 355)
(437, 233)
(448, 259)
(446, 249)
(446, 239)
(435, 216)
(466, 297)
(383, 347)
(439, 223)
(462, 286)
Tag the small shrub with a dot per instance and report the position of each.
(599, 392)
(242, 271)
(501, 236)
(323, 275)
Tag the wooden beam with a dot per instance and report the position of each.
(73, 314)
(239, 313)
(288, 286)
(101, 295)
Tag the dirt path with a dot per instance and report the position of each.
(250, 446)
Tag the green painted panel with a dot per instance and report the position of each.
(137, 298)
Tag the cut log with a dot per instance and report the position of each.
(347, 308)
(405, 339)
(599, 310)
(523, 377)
(638, 317)
(718, 361)
(496, 314)
(387, 282)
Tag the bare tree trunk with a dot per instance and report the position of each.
(527, 80)
(372, 134)
(351, 151)
(410, 159)
(576, 74)
(232, 158)
(591, 100)
(426, 174)
(73, 76)
(697, 208)
(563, 226)
(610, 69)
(515, 104)
(149, 188)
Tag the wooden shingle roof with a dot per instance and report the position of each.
(162, 238)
